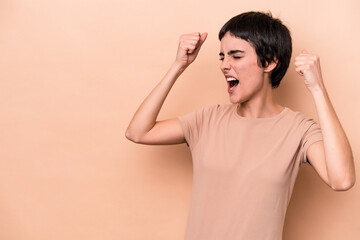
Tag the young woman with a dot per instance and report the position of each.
(246, 155)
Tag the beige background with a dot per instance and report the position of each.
(73, 72)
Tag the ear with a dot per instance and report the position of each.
(270, 66)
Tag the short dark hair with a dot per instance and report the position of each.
(270, 38)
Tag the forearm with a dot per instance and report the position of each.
(338, 154)
(144, 120)
(145, 117)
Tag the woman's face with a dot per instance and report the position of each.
(239, 64)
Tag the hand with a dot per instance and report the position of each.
(308, 66)
(189, 46)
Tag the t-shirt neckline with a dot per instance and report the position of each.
(259, 119)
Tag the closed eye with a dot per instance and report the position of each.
(234, 57)
(222, 56)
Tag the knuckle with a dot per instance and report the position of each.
(183, 36)
(315, 58)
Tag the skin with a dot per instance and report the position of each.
(253, 94)
(144, 128)
(331, 158)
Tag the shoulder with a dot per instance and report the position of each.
(220, 108)
(207, 114)
(299, 121)
(216, 109)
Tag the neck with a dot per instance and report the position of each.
(262, 106)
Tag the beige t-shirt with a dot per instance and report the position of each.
(244, 171)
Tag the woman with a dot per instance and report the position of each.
(247, 154)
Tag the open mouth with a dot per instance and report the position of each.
(233, 82)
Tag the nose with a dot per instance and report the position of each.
(225, 65)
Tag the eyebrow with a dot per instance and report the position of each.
(232, 52)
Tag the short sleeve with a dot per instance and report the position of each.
(193, 124)
(313, 134)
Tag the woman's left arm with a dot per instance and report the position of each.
(332, 158)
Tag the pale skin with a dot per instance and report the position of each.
(331, 158)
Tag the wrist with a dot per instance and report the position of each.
(319, 93)
(315, 90)
(178, 67)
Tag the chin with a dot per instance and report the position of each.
(233, 102)
(236, 100)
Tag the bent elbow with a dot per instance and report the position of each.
(343, 186)
(132, 137)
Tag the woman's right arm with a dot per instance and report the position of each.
(144, 127)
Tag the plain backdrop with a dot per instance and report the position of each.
(72, 74)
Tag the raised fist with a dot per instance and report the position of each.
(308, 66)
(189, 46)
